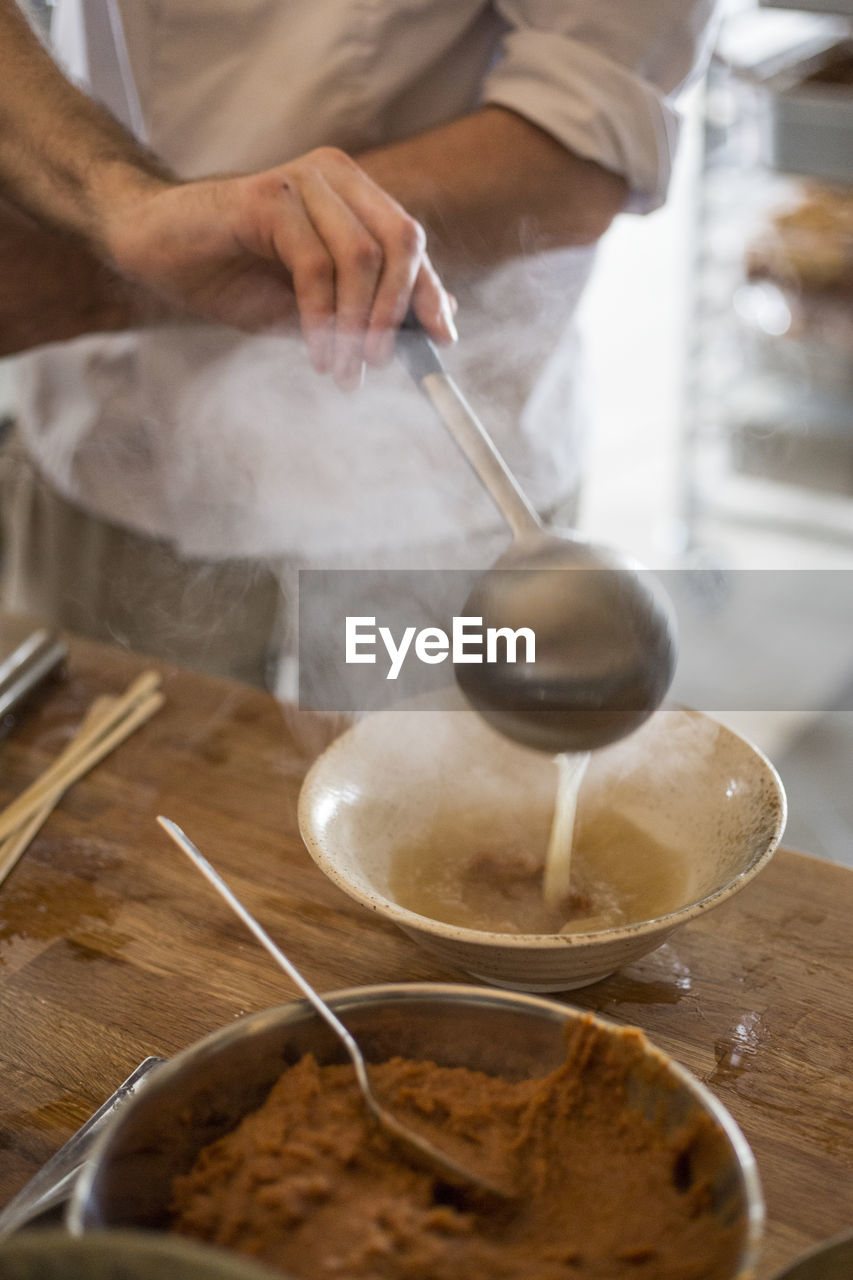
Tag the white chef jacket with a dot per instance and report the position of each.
(231, 445)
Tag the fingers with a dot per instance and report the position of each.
(434, 307)
(357, 260)
(403, 244)
(358, 267)
(297, 243)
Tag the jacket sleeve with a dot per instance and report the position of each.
(601, 76)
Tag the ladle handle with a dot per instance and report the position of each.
(417, 352)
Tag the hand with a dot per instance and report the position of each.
(314, 238)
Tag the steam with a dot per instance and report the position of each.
(230, 448)
(648, 774)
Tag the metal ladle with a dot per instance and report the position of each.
(604, 629)
(485, 1193)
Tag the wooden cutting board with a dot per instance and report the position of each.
(113, 948)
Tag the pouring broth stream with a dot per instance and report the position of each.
(597, 869)
(556, 880)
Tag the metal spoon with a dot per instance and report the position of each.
(605, 630)
(417, 1148)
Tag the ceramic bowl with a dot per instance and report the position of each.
(203, 1092)
(832, 1260)
(397, 777)
(120, 1255)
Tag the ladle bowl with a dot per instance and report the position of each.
(604, 644)
(604, 630)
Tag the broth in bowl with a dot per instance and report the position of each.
(620, 874)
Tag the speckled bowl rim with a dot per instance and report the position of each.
(407, 919)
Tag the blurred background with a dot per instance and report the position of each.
(719, 335)
(720, 340)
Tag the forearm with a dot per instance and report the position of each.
(491, 186)
(63, 159)
(313, 237)
(52, 288)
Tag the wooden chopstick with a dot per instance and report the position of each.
(15, 844)
(59, 778)
(118, 721)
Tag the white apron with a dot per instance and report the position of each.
(230, 445)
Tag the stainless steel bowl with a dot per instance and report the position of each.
(205, 1091)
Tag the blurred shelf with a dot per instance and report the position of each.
(767, 435)
(808, 115)
(805, 440)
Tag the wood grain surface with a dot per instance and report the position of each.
(112, 947)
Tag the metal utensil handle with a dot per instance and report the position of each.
(31, 645)
(31, 663)
(421, 358)
(183, 841)
(52, 1184)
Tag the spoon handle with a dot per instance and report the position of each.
(183, 842)
(421, 358)
(417, 1147)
